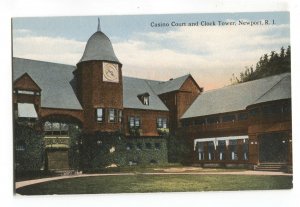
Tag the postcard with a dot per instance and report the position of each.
(152, 103)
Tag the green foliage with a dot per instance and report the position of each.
(74, 134)
(146, 151)
(29, 151)
(163, 131)
(102, 150)
(178, 149)
(268, 65)
(114, 149)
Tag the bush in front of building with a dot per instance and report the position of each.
(28, 146)
(102, 150)
(178, 149)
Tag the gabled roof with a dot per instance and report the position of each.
(160, 87)
(57, 84)
(19, 82)
(133, 87)
(281, 90)
(53, 79)
(238, 97)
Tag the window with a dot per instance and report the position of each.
(213, 119)
(113, 115)
(47, 126)
(20, 147)
(200, 147)
(153, 162)
(144, 98)
(131, 122)
(211, 150)
(199, 121)
(271, 109)
(242, 116)
(286, 108)
(228, 118)
(139, 146)
(222, 149)
(120, 116)
(134, 122)
(233, 149)
(128, 146)
(56, 128)
(162, 123)
(254, 111)
(185, 123)
(100, 115)
(148, 145)
(157, 146)
(137, 122)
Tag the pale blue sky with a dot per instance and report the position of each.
(210, 54)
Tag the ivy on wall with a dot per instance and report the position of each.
(29, 150)
(114, 149)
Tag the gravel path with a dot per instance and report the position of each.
(247, 172)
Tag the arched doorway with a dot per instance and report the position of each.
(60, 141)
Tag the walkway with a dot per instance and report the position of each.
(247, 172)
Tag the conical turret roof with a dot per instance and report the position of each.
(99, 47)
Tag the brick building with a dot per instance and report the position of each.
(245, 124)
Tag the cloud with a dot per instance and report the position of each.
(210, 54)
(52, 49)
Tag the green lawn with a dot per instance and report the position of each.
(157, 183)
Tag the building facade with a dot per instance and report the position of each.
(245, 124)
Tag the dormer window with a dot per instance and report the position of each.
(144, 98)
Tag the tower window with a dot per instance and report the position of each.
(100, 115)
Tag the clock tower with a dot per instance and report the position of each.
(100, 85)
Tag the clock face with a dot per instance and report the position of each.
(110, 72)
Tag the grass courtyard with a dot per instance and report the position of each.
(140, 183)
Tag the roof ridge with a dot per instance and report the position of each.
(43, 61)
(160, 81)
(248, 82)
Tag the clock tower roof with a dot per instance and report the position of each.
(99, 47)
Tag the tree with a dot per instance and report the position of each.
(268, 65)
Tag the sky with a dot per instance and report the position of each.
(151, 47)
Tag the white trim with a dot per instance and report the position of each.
(216, 139)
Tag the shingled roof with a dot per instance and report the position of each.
(55, 81)
(238, 97)
(99, 47)
(160, 87)
(132, 87)
(57, 84)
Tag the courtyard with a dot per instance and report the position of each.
(155, 179)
